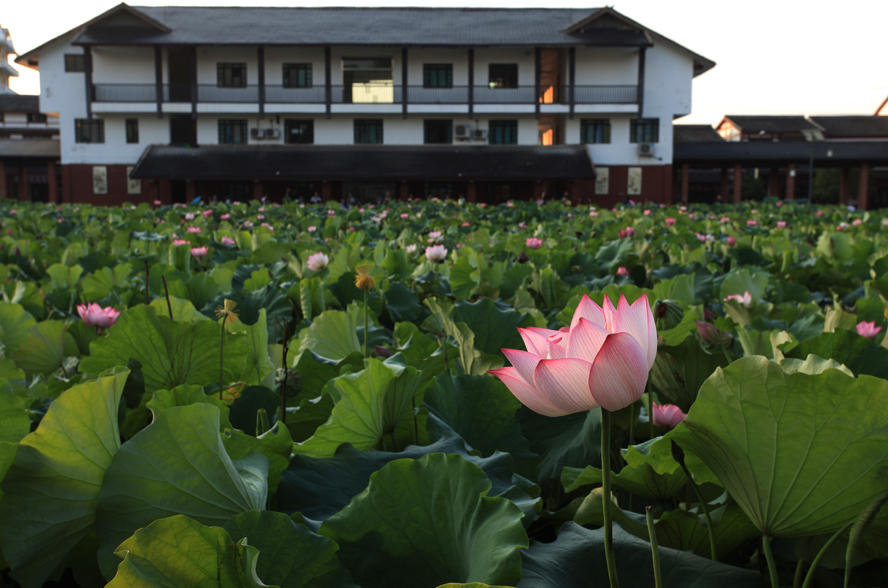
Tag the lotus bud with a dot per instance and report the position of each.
(667, 314)
(712, 335)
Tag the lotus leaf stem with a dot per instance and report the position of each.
(769, 557)
(606, 499)
(655, 547)
(809, 577)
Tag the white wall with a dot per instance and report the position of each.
(606, 66)
(459, 58)
(276, 57)
(122, 65)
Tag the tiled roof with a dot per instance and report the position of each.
(365, 162)
(689, 133)
(859, 126)
(29, 148)
(19, 103)
(764, 152)
(772, 123)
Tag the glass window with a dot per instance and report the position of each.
(36, 117)
(368, 130)
(74, 62)
(437, 75)
(503, 75)
(299, 132)
(132, 130)
(503, 132)
(438, 131)
(595, 130)
(232, 130)
(231, 75)
(644, 130)
(89, 130)
(297, 75)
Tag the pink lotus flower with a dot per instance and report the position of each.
(781, 224)
(94, 315)
(627, 232)
(435, 236)
(745, 299)
(593, 213)
(260, 216)
(732, 241)
(670, 221)
(700, 237)
(157, 203)
(207, 213)
(779, 203)
(248, 224)
(692, 215)
(467, 224)
(178, 242)
(436, 253)
(405, 215)
(818, 213)
(646, 212)
(13, 211)
(751, 223)
(725, 219)
(602, 359)
(622, 271)
(317, 261)
(312, 229)
(225, 216)
(868, 329)
(194, 230)
(268, 226)
(189, 216)
(534, 243)
(857, 222)
(667, 415)
(227, 241)
(411, 248)
(712, 335)
(199, 251)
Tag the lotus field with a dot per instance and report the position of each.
(426, 394)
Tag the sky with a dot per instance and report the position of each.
(772, 56)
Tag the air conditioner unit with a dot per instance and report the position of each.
(480, 134)
(463, 132)
(273, 134)
(254, 133)
(260, 134)
(646, 149)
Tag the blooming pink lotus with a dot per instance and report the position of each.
(199, 251)
(411, 248)
(627, 232)
(227, 241)
(818, 213)
(405, 215)
(602, 359)
(670, 221)
(436, 253)
(179, 242)
(534, 243)
(622, 271)
(751, 223)
(194, 230)
(856, 222)
(225, 216)
(317, 261)
(868, 329)
(732, 241)
(781, 224)
(745, 299)
(667, 415)
(94, 315)
(207, 213)
(312, 229)
(157, 203)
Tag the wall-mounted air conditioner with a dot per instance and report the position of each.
(273, 134)
(646, 149)
(479, 134)
(463, 132)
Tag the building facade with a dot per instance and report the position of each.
(156, 102)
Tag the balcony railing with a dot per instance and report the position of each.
(369, 94)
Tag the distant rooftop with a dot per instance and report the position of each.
(694, 134)
(772, 123)
(853, 126)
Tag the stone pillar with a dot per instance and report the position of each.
(53, 182)
(685, 180)
(863, 188)
(23, 184)
(790, 181)
(845, 187)
(738, 183)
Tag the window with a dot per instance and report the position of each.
(503, 132)
(595, 130)
(132, 130)
(297, 75)
(36, 117)
(644, 130)
(231, 75)
(74, 62)
(299, 132)
(89, 130)
(367, 80)
(437, 131)
(232, 130)
(437, 75)
(503, 75)
(368, 130)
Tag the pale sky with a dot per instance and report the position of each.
(772, 56)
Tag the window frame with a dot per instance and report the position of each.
(229, 67)
(75, 63)
(504, 124)
(36, 118)
(95, 126)
(361, 125)
(638, 126)
(287, 134)
(131, 126)
(234, 123)
(431, 71)
(591, 123)
(448, 133)
(496, 82)
(287, 76)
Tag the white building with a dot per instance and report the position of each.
(486, 103)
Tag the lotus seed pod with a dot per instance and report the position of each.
(667, 314)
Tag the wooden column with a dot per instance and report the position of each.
(404, 191)
(53, 182)
(571, 78)
(471, 196)
(22, 184)
(641, 54)
(258, 190)
(88, 79)
(67, 194)
(667, 185)
(537, 75)
(326, 191)
(328, 83)
(685, 179)
(194, 82)
(190, 191)
(471, 86)
(538, 189)
(773, 182)
(3, 180)
(403, 82)
(260, 56)
(845, 187)
(863, 188)
(790, 181)
(738, 183)
(723, 187)
(158, 79)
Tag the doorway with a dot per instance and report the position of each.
(180, 74)
(183, 130)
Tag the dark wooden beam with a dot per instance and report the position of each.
(260, 56)
(537, 75)
(403, 82)
(572, 78)
(88, 79)
(194, 82)
(158, 79)
(328, 90)
(641, 54)
(471, 83)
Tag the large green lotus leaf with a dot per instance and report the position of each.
(569, 441)
(369, 404)
(275, 444)
(184, 396)
(304, 419)
(7, 456)
(615, 252)
(290, 555)
(679, 371)
(800, 454)
(427, 522)
(45, 347)
(738, 281)
(247, 404)
(176, 465)
(470, 585)
(270, 297)
(465, 277)
(402, 303)
(64, 277)
(183, 310)
(481, 410)
(576, 560)
(494, 327)
(15, 326)
(640, 479)
(257, 362)
(657, 453)
(686, 531)
(50, 492)
(199, 289)
(859, 354)
(321, 487)
(172, 353)
(333, 334)
(179, 551)
(14, 421)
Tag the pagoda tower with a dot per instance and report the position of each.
(6, 69)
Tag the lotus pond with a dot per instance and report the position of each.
(251, 394)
